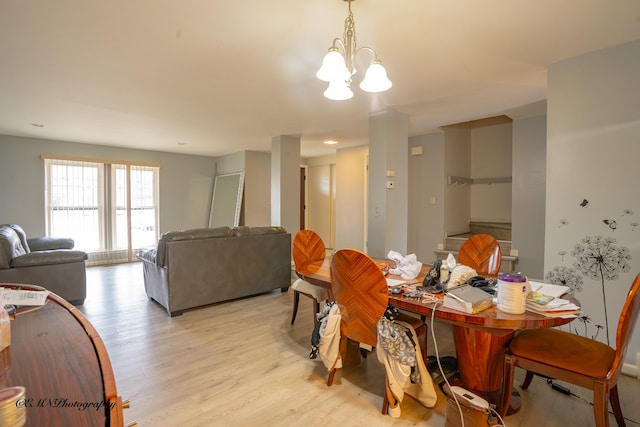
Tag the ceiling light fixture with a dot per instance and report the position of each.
(339, 67)
(330, 142)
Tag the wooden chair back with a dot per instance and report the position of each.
(361, 292)
(308, 249)
(482, 253)
(626, 325)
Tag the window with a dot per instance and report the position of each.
(110, 209)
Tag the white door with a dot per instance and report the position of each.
(321, 202)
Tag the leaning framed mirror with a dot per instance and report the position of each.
(226, 201)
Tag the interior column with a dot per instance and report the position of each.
(388, 195)
(285, 182)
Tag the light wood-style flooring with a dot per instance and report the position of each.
(241, 363)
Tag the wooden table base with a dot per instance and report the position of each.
(480, 362)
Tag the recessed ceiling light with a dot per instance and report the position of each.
(38, 125)
(331, 142)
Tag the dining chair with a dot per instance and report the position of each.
(578, 360)
(361, 292)
(308, 247)
(481, 252)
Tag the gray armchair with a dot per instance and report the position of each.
(44, 261)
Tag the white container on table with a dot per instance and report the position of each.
(512, 292)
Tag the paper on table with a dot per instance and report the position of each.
(22, 297)
(548, 289)
(559, 304)
(395, 282)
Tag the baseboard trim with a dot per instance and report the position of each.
(630, 370)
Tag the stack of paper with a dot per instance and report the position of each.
(544, 299)
(557, 307)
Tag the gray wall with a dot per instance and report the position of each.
(528, 193)
(593, 147)
(388, 208)
(426, 196)
(186, 182)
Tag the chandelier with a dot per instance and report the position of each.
(338, 66)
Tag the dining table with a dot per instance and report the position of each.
(481, 339)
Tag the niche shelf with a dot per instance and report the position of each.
(459, 180)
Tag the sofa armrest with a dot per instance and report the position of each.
(49, 243)
(148, 255)
(60, 256)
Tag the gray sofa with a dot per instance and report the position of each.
(198, 267)
(44, 261)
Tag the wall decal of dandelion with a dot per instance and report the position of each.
(627, 212)
(633, 226)
(562, 254)
(563, 222)
(584, 320)
(565, 276)
(600, 258)
(584, 203)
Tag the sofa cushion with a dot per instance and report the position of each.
(193, 234)
(22, 236)
(10, 246)
(50, 243)
(59, 256)
(196, 233)
(148, 255)
(244, 230)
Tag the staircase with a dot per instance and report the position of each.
(502, 233)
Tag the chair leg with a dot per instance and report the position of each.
(423, 344)
(390, 405)
(388, 396)
(385, 401)
(601, 405)
(296, 301)
(507, 384)
(527, 380)
(615, 405)
(332, 374)
(316, 308)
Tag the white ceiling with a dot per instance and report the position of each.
(213, 77)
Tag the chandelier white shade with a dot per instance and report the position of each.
(338, 90)
(375, 79)
(333, 67)
(338, 66)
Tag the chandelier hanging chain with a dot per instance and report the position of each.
(349, 40)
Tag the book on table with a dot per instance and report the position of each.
(467, 299)
(548, 289)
